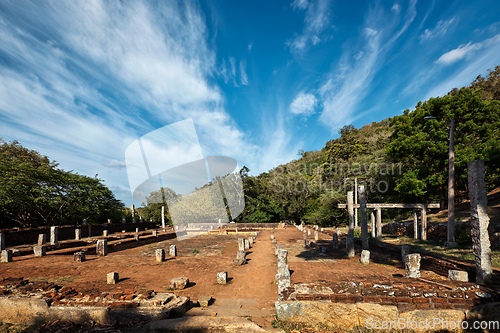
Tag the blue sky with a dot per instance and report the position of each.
(81, 81)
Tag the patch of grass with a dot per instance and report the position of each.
(169, 289)
(195, 250)
(66, 279)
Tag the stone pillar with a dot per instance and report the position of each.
(241, 244)
(304, 238)
(412, 265)
(423, 221)
(282, 257)
(372, 221)
(247, 244)
(163, 216)
(2, 241)
(160, 255)
(272, 237)
(455, 275)
(78, 234)
(137, 230)
(405, 250)
(350, 235)
(102, 247)
(137, 237)
(282, 278)
(236, 230)
(6, 256)
(132, 210)
(316, 236)
(105, 233)
(54, 236)
(112, 278)
(362, 213)
(308, 232)
(365, 257)
(415, 223)
(109, 221)
(479, 221)
(222, 278)
(40, 250)
(154, 233)
(250, 240)
(79, 256)
(240, 258)
(379, 223)
(277, 248)
(124, 220)
(42, 239)
(173, 250)
(335, 241)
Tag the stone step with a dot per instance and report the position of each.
(208, 324)
(228, 310)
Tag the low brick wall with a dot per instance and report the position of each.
(15, 237)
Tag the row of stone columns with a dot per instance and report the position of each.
(423, 223)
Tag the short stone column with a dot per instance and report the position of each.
(6, 256)
(250, 240)
(335, 242)
(54, 235)
(241, 244)
(272, 237)
(365, 257)
(247, 244)
(112, 278)
(240, 258)
(362, 212)
(423, 221)
(137, 230)
(316, 236)
(412, 265)
(173, 250)
(282, 278)
(160, 255)
(102, 247)
(124, 220)
(277, 248)
(137, 237)
(109, 221)
(105, 233)
(236, 230)
(455, 275)
(2, 241)
(350, 235)
(79, 256)
(222, 278)
(42, 239)
(304, 240)
(39, 251)
(78, 234)
(282, 257)
(154, 233)
(479, 221)
(308, 232)
(405, 250)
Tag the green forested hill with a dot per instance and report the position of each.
(401, 159)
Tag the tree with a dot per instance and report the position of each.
(33, 191)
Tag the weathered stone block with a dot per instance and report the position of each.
(6, 256)
(79, 256)
(455, 275)
(277, 248)
(173, 250)
(160, 255)
(222, 277)
(365, 257)
(78, 234)
(42, 239)
(54, 235)
(241, 244)
(247, 244)
(240, 258)
(112, 278)
(102, 247)
(204, 301)
(105, 233)
(250, 240)
(155, 233)
(412, 265)
(40, 250)
(282, 257)
(179, 283)
(316, 235)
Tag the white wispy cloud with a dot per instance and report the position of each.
(349, 83)
(459, 53)
(317, 19)
(91, 77)
(304, 104)
(440, 29)
(243, 72)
